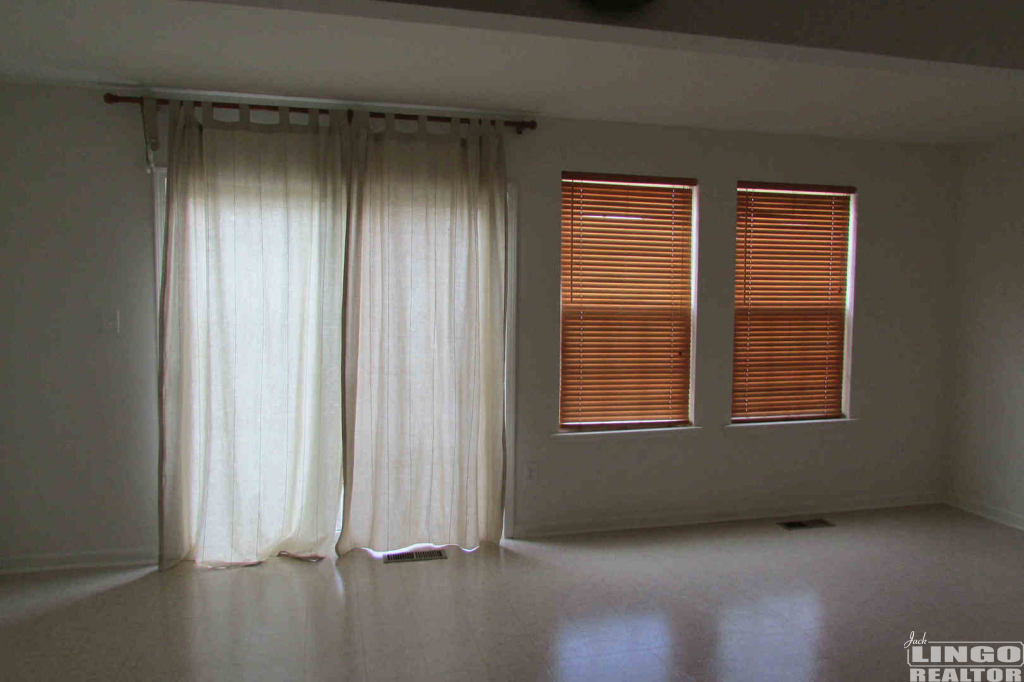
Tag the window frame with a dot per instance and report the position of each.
(627, 425)
(851, 260)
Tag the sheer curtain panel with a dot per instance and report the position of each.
(251, 337)
(424, 338)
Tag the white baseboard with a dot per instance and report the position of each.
(1003, 516)
(33, 563)
(689, 517)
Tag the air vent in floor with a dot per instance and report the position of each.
(808, 523)
(423, 555)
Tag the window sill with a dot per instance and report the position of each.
(782, 423)
(620, 433)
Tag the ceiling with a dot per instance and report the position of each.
(387, 52)
(980, 33)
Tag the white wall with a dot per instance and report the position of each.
(79, 430)
(78, 452)
(988, 461)
(894, 453)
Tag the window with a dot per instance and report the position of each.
(794, 294)
(627, 300)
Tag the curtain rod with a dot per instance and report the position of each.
(520, 126)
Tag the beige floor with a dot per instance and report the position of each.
(738, 601)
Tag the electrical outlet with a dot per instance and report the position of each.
(531, 473)
(111, 322)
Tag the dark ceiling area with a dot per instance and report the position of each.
(981, 34)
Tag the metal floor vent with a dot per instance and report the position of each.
(808, 523)
(423, 555)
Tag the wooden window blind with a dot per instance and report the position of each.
(792, 264)
(627, 292)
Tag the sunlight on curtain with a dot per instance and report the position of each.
(424, 340)
(278, 234)
(251, 337)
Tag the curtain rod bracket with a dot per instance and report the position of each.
(149, 125)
